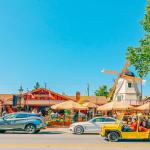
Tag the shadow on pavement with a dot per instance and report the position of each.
(131, 141)
(42, 132)
(52, 132)
(91, 134)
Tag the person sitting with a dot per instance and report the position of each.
(129, 121)
(132, 127)
(142, 127)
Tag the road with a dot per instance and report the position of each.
(55, 140)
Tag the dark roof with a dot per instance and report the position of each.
(129, 73)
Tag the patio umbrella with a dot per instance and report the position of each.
(115, 106)
(122, 106)
(106, 107)
(70, 105)
(90, 105)
(144, 107)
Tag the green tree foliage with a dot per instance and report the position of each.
(102, 91)
(37, 85)
(139, 57)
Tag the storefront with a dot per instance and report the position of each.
(40, 100)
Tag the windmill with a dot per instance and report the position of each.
(125, 79)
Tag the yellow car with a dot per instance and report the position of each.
(116, 132)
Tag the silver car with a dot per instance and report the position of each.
(22, 121)
(91, 126)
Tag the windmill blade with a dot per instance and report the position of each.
(113, 89)
(124, 69)
(110, 72)
(137, 79)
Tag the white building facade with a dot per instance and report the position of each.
(127, 91)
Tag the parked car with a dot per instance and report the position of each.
(91, 126)
(22, 121)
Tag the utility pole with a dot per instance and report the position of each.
(88, 89)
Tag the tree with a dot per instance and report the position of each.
(37, 85)
(139, 56)
(102, 91)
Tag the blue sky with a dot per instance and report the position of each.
(66, 43)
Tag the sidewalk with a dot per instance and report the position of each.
(66, 130)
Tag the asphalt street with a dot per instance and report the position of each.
(54, 139)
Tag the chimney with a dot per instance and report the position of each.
(77, 96)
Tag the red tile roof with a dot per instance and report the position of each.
(100, 100)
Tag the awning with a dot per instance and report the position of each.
(115, 106)
(69, 105)
(144, 107)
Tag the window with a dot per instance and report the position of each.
(34, 115)
(22, 116)
(130, 85)
(109, 120)
(98, 120)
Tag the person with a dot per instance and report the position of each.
(115, 115)
(148, 122)
(75, 117)
(88, 115)
(132, 127)
(129, 120)
(142, 127)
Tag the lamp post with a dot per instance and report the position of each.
(20, 93)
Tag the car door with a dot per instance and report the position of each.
(95, 124)
(8, 122)
(20, 121)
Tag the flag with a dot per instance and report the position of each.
(15, 101)
(22, 101)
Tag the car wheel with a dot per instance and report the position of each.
(79, 130)
(2, 131)
(113, 137)
(30, 128)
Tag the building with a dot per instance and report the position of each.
(42, 97)
(99, 100)
(35, 99)
(127, 91)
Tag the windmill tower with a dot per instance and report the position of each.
(125, 88)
